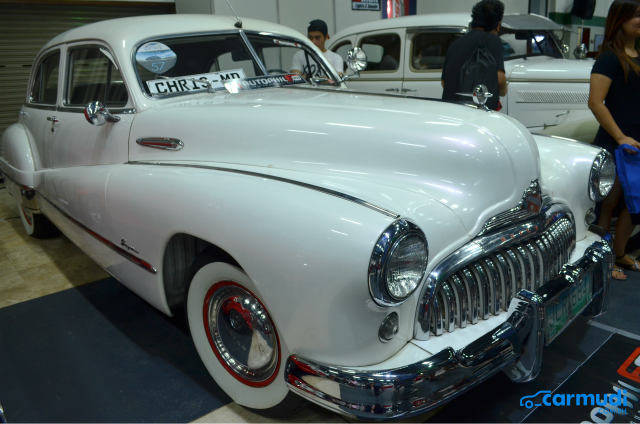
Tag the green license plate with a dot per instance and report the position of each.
(563, 309)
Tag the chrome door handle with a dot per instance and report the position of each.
(405, 90)
(53, 119)
(395, 90)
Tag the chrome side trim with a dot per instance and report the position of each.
(162, 143)
(515, 347)
(77, 109)
(39, 106)
(80, 109)
(344, 196)
(132, 258)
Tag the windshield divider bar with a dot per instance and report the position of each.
(249, 46)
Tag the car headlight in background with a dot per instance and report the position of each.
(398, 263)
(602, 176)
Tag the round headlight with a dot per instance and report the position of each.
(602, 176)
(398, 263)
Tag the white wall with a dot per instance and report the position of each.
(293, 13)
(450, 6)
(564, 6)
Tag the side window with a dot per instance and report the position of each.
(342, 49)
(428, 50)
(45, 83)
(383, 52)
(93, 76)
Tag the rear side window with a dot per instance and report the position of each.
(45, 83)
(429, 50)
(383, 52)
(342, 49)
(93, 76)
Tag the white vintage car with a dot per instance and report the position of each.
(547, 92)
(374, 254)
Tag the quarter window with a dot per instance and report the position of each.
(383, 52)
(342, 49)
(429, 50)
(93, 76)
(45, 83)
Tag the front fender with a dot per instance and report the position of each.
(307, 252)
(565, 166)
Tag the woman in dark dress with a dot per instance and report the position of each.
(614, 99)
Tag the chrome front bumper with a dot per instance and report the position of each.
(514, 347)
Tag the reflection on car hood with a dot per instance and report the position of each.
(544, 68)
(473, 162)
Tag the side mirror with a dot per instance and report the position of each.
(97, 114)
(580, 52)
(356, 62)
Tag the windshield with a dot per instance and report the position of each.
(529, 43)
(182, 65)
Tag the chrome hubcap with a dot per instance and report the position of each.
(241, 333)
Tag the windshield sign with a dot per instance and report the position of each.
(212, 80)
(156, 57)
(189, 64)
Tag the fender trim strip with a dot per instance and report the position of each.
(344, 196)
(136, 260)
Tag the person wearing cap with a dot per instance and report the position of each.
(318, 33)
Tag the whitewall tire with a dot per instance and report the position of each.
(35, 224)
(235, 336)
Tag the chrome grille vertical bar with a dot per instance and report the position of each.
(549, 255)
(542, 256)
(507, 278)
(463, 298)
(450, 307)
(518, 268)
(535, 266)
(557, 242)
(435, 315)
(527, 265)
(472, 289)
(493, 276)
(483, 289)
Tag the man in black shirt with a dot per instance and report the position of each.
(486, 18)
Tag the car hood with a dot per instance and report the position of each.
(543, 68)
(473, 162)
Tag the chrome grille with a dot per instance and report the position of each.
(484, 284)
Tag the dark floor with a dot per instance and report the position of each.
(99, 353)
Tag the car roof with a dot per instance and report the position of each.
(126, 32)
(433, 19)
(513, 21)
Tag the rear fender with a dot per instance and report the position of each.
(16, 157)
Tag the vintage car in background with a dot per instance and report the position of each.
(548, 93)
(374, 254)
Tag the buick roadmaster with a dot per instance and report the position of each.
(373, 254)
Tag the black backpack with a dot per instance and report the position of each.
(480, 68)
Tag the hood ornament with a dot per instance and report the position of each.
(480, 96)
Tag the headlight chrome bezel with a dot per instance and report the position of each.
(603, 159)
(388, 243)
